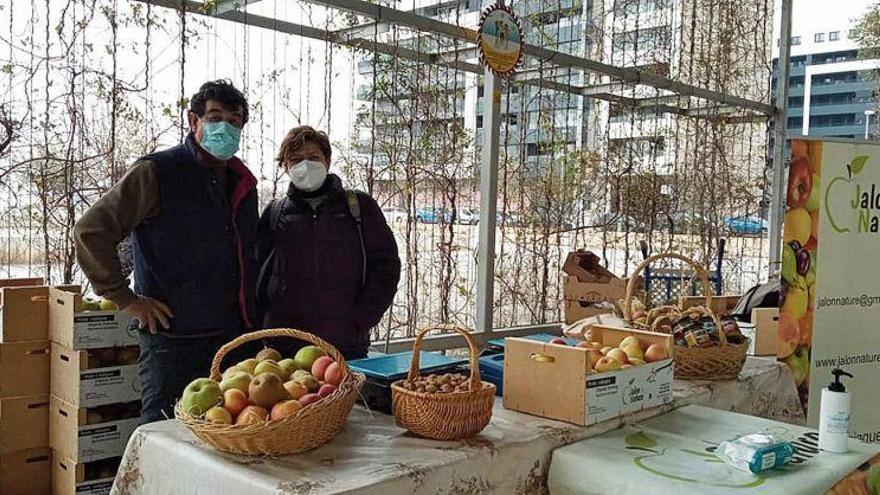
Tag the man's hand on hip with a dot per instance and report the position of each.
(150, 313)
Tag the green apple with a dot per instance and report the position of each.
(89, 304)
(269, 366)
(813, 202)
(789, 264)
(288, 366)
(232, 369)
(201, 395)
(299, 375)
(306, 356)
(238, 379)
(107, 305)
(248, 365)
(218, 415)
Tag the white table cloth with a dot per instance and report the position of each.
(674, 453)
(373, 456)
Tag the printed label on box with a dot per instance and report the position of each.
(103, 386)
(105, 440)
(95, 487)
(610, 395)
(96, 329)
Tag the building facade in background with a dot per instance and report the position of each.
(830, 86)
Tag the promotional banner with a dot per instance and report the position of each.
(831, 276)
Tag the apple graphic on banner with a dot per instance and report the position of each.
(837, 218)
(800, 182)
(796, 299)
(687, 465)
(200, 395)
(813, 202)
(799, 362)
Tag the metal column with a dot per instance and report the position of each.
(780, 124)
(488, 201)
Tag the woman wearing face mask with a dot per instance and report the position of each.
(329, 262)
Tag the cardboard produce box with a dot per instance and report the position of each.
(576, 311)
(764, 332)
(83, 478)
(95, 377)
(24, 368)
(74, 328)
(721, 305)
(24, 423)
(85, 435)
(592, 292)
(25, 314)
(552, 381)
(26, 472)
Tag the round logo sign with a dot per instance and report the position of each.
(500, 39)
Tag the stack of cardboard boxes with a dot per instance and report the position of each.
(25, 457)
(95, 393)
(588, 288)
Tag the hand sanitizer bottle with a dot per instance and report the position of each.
(834, 415)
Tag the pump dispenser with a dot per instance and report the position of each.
(834, 415)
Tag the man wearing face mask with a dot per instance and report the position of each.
(329, 262)
(192, 214)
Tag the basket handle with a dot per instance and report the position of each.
(275, 332)
(476, 380)
(630, 286)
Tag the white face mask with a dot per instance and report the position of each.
(307, 175)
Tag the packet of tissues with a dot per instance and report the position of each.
(756, 453)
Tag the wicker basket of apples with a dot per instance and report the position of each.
(703, 349)
(268, 405)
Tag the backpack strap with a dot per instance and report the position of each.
(354, 207)
(275, 208)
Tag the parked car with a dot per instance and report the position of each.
(468, 216)
(433, 214)
(394, 214)
(747, 225)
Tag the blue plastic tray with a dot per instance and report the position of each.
(492, 370)
(396, 366)
(541, 337)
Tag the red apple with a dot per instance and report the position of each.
(333, 374)
(308, 399)
(800, 183)
(235, 400)
(558, 341)
(284, 409)
(319, 367)
(327, 389)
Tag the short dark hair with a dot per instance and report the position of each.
(220, 90)
(298, 136)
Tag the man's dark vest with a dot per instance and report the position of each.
(198, 255)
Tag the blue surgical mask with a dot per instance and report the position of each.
(220, 139)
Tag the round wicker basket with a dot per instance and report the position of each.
(309, 428)
(722, 362)
(449, 416)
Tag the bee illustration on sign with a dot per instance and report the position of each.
(500, 40)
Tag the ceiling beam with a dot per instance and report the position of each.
(624, 74)
(224, 6)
